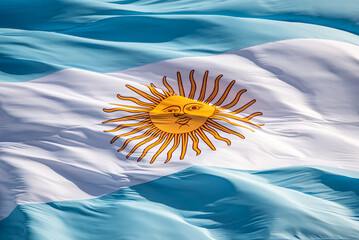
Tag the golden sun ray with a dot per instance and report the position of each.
(235, 100)
(143, 94)
(225, 94)
(153, 136)
(170, 117)
(215, 90)
(215, 134)
(195, 141)
(184, 145)
(121, 126)
(205, 138)
(176, 143)
(136, 130)
(180, 85)
(204, 87)
(193, 85)
(163, 146)
(170, 89)
(135, 100)
(158, 141)
(146, 134)
(133, 117)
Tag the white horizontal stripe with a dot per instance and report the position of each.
(53, 146)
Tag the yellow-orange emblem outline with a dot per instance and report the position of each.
(170, 117)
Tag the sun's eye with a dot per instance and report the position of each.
(173, 109)
(193, 107)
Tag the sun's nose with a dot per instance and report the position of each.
(178, 114)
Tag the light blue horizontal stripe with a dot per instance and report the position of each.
(41, 37)
(288, 203)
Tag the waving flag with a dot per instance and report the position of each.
(179, 120)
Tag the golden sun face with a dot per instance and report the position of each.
(169, 117)
(177, 114)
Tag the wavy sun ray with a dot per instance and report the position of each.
(170, 117)
(170, 89)
(225, 94)
(153, 136)
(205, 138)
(235, 100)
(195, 141)
(163, 146)
(216, 134)
(176, 143)
(158, 141)
(126, 118)
(136, 130)
(215, 90)
(121, 126)
(146, 134)
(193, 85)
(180, 85)
(135, 100)
(204, 86)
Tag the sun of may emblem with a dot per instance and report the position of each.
(171, 119)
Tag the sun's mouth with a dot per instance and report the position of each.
(183, 120)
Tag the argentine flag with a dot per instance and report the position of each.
(151, 119)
